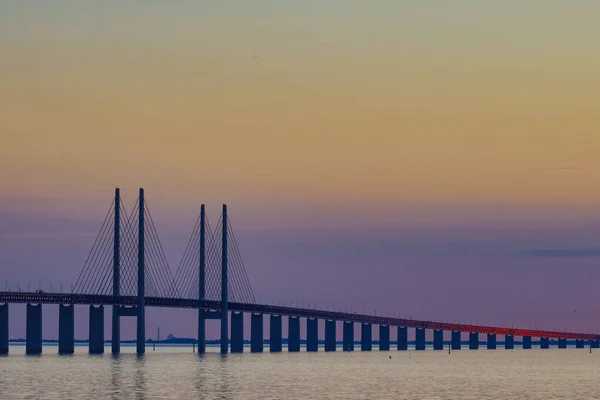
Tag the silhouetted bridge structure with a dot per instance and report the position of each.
(126, 269)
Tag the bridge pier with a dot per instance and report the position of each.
(544, 343)
(237, 332)
(33, 341)
(330, 335)
(594, 344)
(526, 342)
(456, 343)
(402, 338)
(491, 341)
(473, 341)
(562, 343)
(96, 336)
(366, 337)
(579, 344)
(202, 282)
(275, 333)
(420, 339)
(4, 329)
(438, 339)
(509, 342)
(348, 336)
(293, 334)
(384, 337)
(312, 334)
(66, 329)
(256, 333)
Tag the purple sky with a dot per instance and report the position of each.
(536, 273)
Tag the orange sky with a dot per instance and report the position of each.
(293, 103)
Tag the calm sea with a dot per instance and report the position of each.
(177, 373)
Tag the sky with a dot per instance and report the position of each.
(428, 159)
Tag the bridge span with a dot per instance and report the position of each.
(135, 265)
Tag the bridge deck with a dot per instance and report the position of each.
(83, 299)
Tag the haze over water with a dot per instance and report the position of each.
(177, 373)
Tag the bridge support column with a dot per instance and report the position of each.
(384, 337)
(526, 342)
(256, 333)
(96, 338)
(140, 341)
(595, 344)
(293, 334)
(237, 332)
(312, 334)
(348, 336)
(509, 342)
(330, 336)
(456, 343)
(66, 329)
(402, 338)
(33, 344)
(420, 339)
(473, 340)
(491, 341)
(579, 344)
(3, 329)
(562, 343)
(366, 337)
(438, 339)
(544, 343)
(275, 334)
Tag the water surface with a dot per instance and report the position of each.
(177, 373)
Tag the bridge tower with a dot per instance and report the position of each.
(224, 298)
(141, 303)
(202, 283)
(116, 322)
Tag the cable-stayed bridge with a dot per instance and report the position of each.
(127, 270)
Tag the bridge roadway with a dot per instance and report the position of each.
(84, 299)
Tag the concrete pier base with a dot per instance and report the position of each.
(544, 343)
(366, 337)
(33, 334)
(509, 342)
(330, 335)
(438, 340)
(96, 338)
(420, 339)
(256, 333)
(526, 342)
(348, 343)
(312, 334)
(562, 343)
(237, 332)
(275, 325)
(491, 341)
(3, 329)
(473, 341)
(456, 342)
(384, 337)
(579, 344)
(595, 344)
(293, 334)
(402, 338)
(66, 329)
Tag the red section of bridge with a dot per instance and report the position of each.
(83, 299)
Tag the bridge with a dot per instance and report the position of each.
(127, 270)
